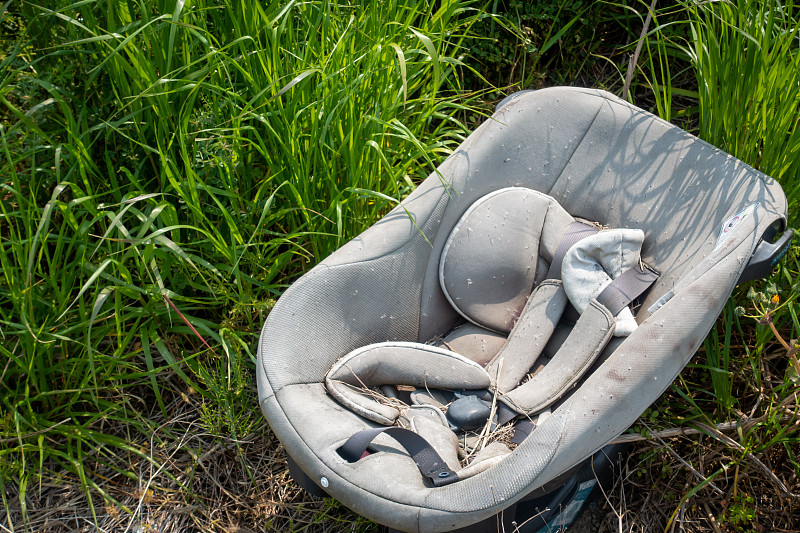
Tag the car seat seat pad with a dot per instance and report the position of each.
(512, 264)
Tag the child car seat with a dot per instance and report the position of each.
(684, 219)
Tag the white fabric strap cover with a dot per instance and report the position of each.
(575, 232)
(592, 263)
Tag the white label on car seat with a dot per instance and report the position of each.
(729, 225)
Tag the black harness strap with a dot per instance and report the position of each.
(627, 287)
(504, 414)
(575, 232)
(522, 429)
(429, 462)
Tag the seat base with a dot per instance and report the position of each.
(557, 505)
(553, 507)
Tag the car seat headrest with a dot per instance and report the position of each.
(499, 249)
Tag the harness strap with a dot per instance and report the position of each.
(530, 335)
(627, 287)
(575, 232)
(583, 346)
(429, 462)
(504, 414)
(522, 429)
(538, 319)
(614, 298)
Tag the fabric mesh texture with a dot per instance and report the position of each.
(333, 310)
(654, 176)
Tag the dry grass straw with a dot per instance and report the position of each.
(374, 393)
(651, 495)
(471, 442)
(203, 482)
(196, 482)
(711, 478)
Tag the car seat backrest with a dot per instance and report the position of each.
(606, 161)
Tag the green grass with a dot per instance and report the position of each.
(745, 55)
(745, 83)
(730, 71)
(167, 169)
(530, 44)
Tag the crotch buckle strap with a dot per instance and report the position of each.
(429, 462)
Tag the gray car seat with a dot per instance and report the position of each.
(369, 314)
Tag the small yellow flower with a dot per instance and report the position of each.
(775, 299)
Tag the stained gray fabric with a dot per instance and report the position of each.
(586, 341)
(656, 177)
(408, 505)
(355, 399)
(440, 438)
(428, 411)
(373, 300)
(600, 158)
(489, 456)
(398, 363)
(430, 463)
(530, 335)
(430, 397)
(542, 139)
